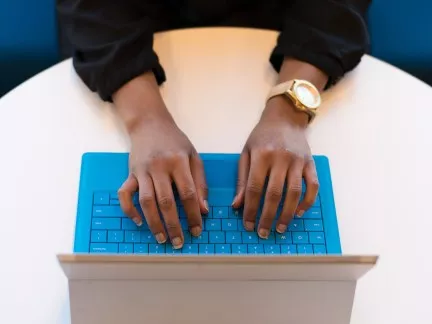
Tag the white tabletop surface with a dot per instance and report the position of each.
(375, 126)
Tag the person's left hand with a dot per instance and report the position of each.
(277, 148)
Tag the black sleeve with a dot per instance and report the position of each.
(112, 42)
(329, 34)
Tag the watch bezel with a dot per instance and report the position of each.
(308, 84)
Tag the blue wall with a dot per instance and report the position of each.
(28, 40)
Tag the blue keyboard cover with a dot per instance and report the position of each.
(111, 231)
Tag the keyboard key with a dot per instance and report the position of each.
(319, 249)
(101, 198)
(187, 237)
(300, 237)
(190, 249)
(249, 237)
(181, 212)
(317, 201)
(125, 248)
(184, 224)
(156, 248)
(212, 224)
(220, 212)
(288, 249)
(271, 249)
(114, 202)
(202, 239)
(99, 236)
(147, 237)
(108, 211)
(170, 250)
(114, 195)
(206, 248)
(217, 237)
(115, 236)
(240, 225)
(229, 225)
(284, 238)
(106, 223)
(222, 248)
(269, 240)
(128, 224)
(132, 236)
(233, 237)
(314, 225)
(296, 225)
(304, 249)
(316, 238)
(239, 248)
(314, 212)
(255, 249)
(140, 248)
(103, 248)
(235, 213)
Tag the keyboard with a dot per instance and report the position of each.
(102, 227)
(223, 232)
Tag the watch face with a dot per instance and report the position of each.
(307, 94)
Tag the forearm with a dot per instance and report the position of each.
(140, 100)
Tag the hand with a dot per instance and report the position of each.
(160, 155)
(277, 148)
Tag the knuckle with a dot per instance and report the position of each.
(146, 200)
(188, 193)
(203, 187)
(254, 187)
(314, 184)
(165, 202)
(274, 193)
(295, 188)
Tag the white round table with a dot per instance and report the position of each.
(375, 126)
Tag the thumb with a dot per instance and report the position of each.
(198, 175)
(242, 177)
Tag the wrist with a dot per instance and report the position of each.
(139, 101)
(282, 109)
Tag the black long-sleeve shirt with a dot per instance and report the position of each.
(112, 41)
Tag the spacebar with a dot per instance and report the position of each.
(221, 196)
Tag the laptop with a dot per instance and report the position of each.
(117, 270)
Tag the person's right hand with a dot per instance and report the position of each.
(161, 155)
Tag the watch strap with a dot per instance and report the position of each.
(280, 89)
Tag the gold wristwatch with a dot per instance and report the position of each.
(304, 95)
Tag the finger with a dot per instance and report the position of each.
(254, 188)
(312, 187)
(188, 195)
(197, 169)
(242, 178)
(148, 205)
(292, 198)
(125, 194)
(273, 196)
(167, 206)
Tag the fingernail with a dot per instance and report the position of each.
(177, 242)
(263, 233)
(196, 230)
(206, 205)
(234, 201)
(160, 237)
(281, 228)
(249, 226)
(137, 221)
(300, 213)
